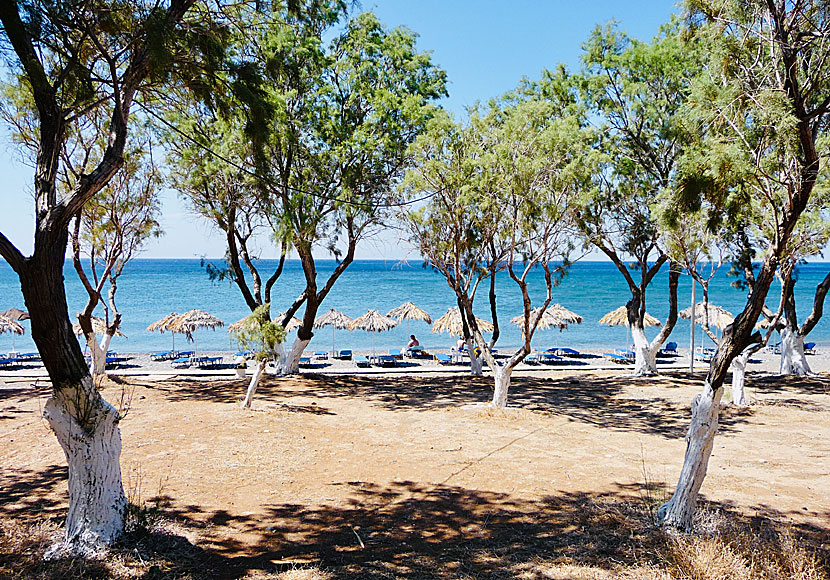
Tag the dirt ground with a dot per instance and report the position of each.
(407, 476)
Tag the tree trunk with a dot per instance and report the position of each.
(290, 365)
(260, 369)
(679, 511)
(87, 429)
(793, 360)
(98, 353)
(475, 361)
(738, 378)
(645, 359)
(85, 424)
(502, 378)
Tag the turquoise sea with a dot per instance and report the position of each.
(152, 288)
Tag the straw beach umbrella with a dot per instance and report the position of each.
(335, 319)
(190, 322)
(555, 316)
(164, 324)
(718, 316)
(9, 325)
(451, 323)
(15, 314)
(373, 321)
(619, 317)
(98, 326)
(408, 311)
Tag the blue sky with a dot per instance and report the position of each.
(486, 47)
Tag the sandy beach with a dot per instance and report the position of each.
(370, 473)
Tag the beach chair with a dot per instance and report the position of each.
(395, 353)
(774, 348)
(8, 362)
(344, 355)
(165, 355)
(416, 352)
(209, 361)
(244, 353)
(565, 351)
(360, 360)
(29, 356)
(183, 362)
(321, 354)
(186, 354)
(549, 357)
(305, 361)
(384, 360)
(670, 349)
(443, 359)
(617, 358)
(532, 359)
(810, 348)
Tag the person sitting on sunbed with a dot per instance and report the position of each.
(412, 341)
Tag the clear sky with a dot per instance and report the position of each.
(486, 47)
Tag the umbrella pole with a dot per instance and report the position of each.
(332, 340)
(195, 344)
(692, 343)
(174, 340)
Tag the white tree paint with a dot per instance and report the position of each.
(475, 361)
(738, 379)
(680, 510)
(252, 386)
(645, 357)
(92, 446)
(290, 365)
(793, 360)
(98, 353)
(502, 377)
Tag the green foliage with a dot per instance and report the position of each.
(260, 335)
(636, 91)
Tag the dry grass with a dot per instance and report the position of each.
(724, 547)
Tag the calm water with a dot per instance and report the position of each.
(150, 289)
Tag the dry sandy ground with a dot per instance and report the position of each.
(380, 476)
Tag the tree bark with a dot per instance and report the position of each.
(252, 386)
(739, 379)
(793, 360)
(290, 365)
(645, 359)
(502, 377)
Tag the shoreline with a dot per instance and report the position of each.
(592, 359)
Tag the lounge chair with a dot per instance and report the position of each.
(360, 360)
(549, 357)
(8, 362)
(321, 354)
(774, 348)
(416, 351)
(345, 355)
(182, 362)
(669, 350)
(29, 356)
(244, 353)
(443, 359)
(208, 361)
(564, 351)
(164, 355)
(396, 353)
(304, 361)
(810, 348)
(617, 358)
(383, 360)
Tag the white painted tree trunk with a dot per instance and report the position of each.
(475, 361)
(86, 427)
(738, 379)
(680, 510)
(260, 369)
(290, 365)
(97, 354)
(645, 360)
(793, 360)
(502, 377)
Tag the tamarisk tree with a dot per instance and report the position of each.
(636, 89)
(73, 59)
(507, 180)
(763, 101)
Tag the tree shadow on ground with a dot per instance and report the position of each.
(412, 531)
(769, 383)
(39, 493)
(598, 400)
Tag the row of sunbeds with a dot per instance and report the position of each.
(13, 359)
(626, 356)
(186, 359)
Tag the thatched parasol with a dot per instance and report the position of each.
(164, 324)
(451, 323)
(189, 322)
(15, 314)
(718, 317)
(408, 311)
(12, 326)
(619, 317)
(373, 321)
(335, 319)
(98, 326)
(555, 316)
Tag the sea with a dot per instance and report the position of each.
(152, 288)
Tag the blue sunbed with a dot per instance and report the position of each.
(182, 362)
(384, 360)
(360, 360)
(810, 348)
(208, 361)
(443, 359)
(321, 354)
(165, 355)
(345, 355)
(617, 358)
(532, 359)
(564, 351)
(669, 350)
(395, 353)
(547, 357)
(305, 360)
